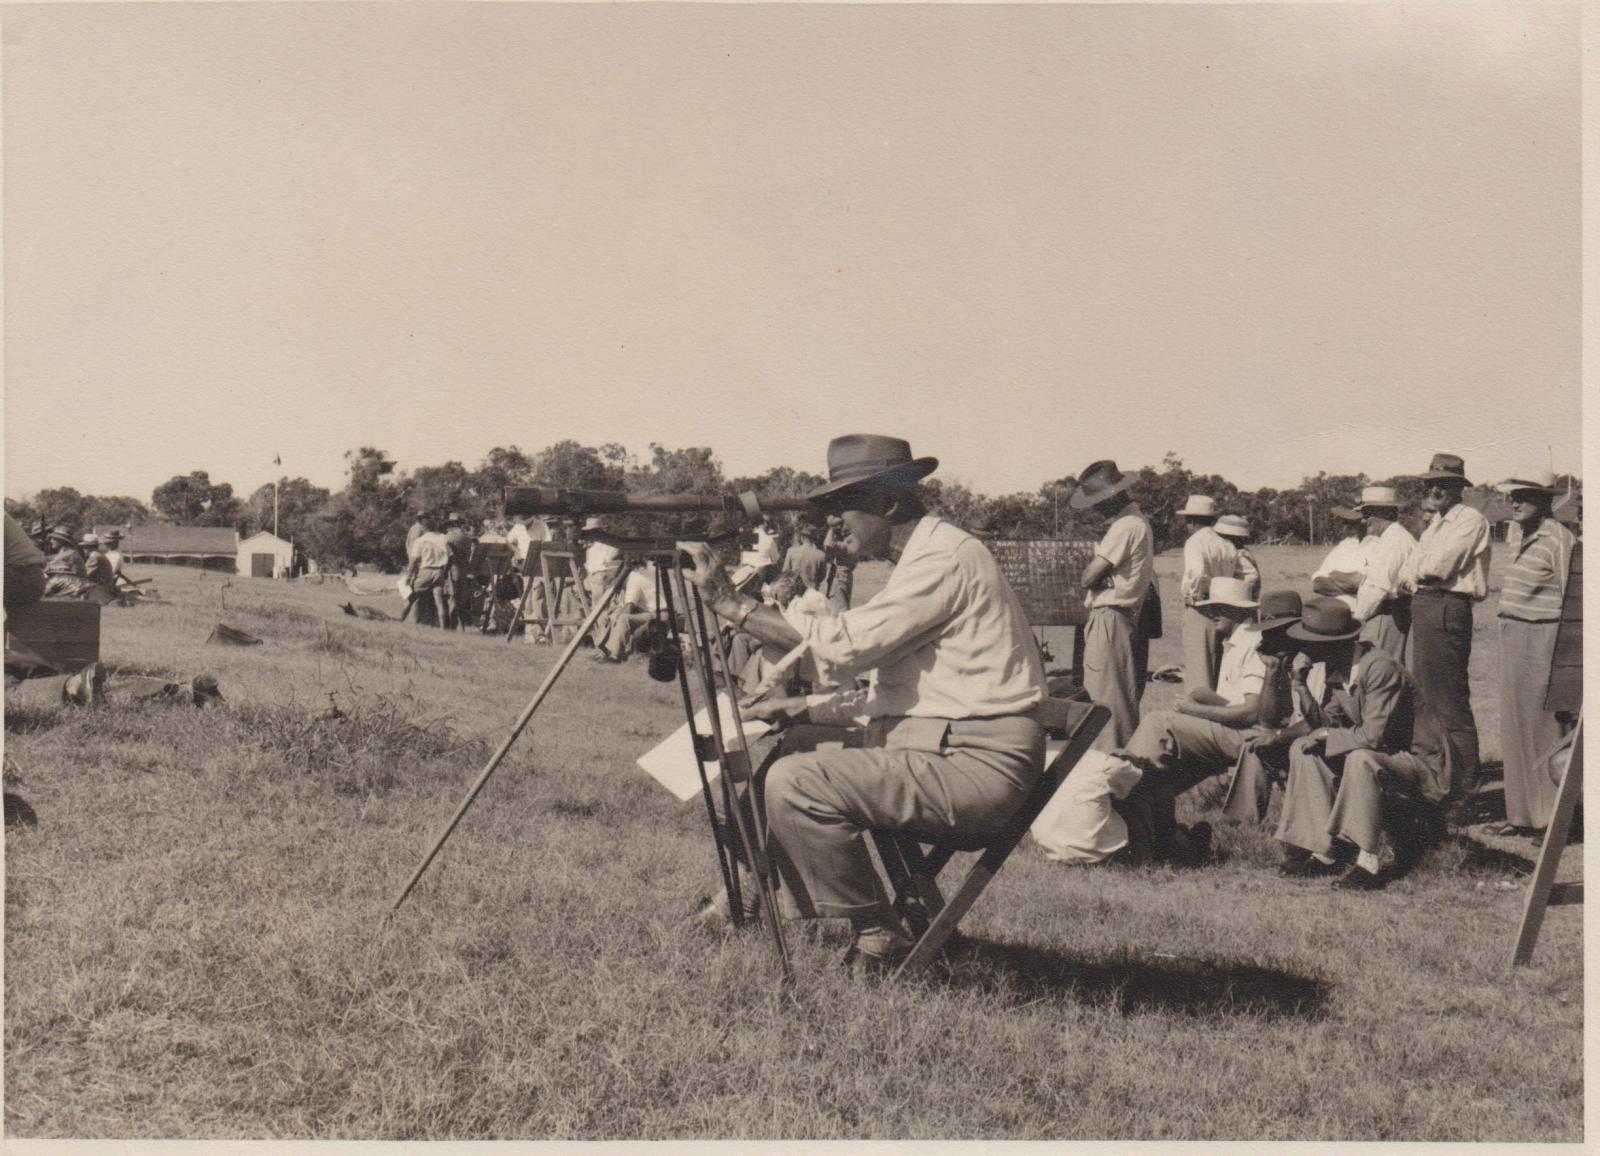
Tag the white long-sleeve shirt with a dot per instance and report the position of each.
(1454, 550)
(1384, 574)
(1206, 555)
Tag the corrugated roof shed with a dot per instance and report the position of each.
(200, 541)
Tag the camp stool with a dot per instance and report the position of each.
(913, 861)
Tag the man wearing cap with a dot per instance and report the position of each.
(1206, 555)
(1115, 583)
(953, 745)
(1236, 529)
(1341, 571)
(1531, 594)
(1381, 604)
(1448, 572)
(1339, 772)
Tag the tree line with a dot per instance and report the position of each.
(366, 521)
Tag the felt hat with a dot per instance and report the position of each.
(1540, 481)
(1278, 608)
(1232, 526)
(1229, 592)
(1199, 506)
(1325, 620)
(89, 540)
(111, 537)
(1346, 513)
(61, 534)
(1099, 482)
(860, 460)
(1446, 468)
(1378, 497)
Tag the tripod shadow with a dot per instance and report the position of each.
(1021, 974)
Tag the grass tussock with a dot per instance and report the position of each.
(198, 938)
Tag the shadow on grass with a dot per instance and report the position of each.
(1019, 973)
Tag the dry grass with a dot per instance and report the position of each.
(196, 942)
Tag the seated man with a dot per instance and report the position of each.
(953, 746)
(1208, 731)
(1338, 773)
(636, 606)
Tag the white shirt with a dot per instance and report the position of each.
(946, 635)
(431, 551)
(1388, 555)
(1241, 673)
(1454, 548)
(521, 535)
(1348, 556)
(639, 591)
(599, 558)
(1206, 555)
(1129, 547)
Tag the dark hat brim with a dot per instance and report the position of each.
(1442, 476)
(900, 476)
(1299, 633)
(1082, 501)
(1265, 624)
(1346, 513)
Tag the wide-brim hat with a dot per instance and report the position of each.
(1446, 468)
(857, 461)
(1325, 620)
(1099, 482)
(89, 540)
(1199, 506)
(1278, 608)
(1232, 526)
(1346, 513)
(111, 536)
(1229, 592)
(1539, 481)
(1378, 498)
(60, 534)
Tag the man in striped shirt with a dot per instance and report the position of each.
(1448, 572)
(1531, 594)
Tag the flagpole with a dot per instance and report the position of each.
(277, 461)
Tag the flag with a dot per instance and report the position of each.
(277, 460)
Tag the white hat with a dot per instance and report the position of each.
(1229, 592)
(1541, 480)
(1233, 525)
(1377, 496)
(1198, 506)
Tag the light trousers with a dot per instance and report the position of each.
(1111, 673)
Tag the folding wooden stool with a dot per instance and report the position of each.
(913, 870)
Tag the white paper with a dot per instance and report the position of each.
(671, 761)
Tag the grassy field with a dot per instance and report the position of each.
(196, 943)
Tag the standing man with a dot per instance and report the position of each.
(1381, 604)
(841, 573)
(805, 558)
(1449, 571)
(1531, 594)
(428, 576)
(418, 528)
(1206, 555)
(1115, 583)
(953, 746)
(1236, 529)
(1341, 571)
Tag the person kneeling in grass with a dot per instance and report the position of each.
(1340, 774)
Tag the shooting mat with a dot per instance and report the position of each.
(1044, 572)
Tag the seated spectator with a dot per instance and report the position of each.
(1339, 773)
(96, 566)
(636, 606)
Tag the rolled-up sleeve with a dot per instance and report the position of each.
(920, 598)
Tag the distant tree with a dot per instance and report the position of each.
(955, 502)
(62, 504)
(1307, 507)
(447, 489)
(568, 464)
(366, 521)
(115, 511)
(195, 500)
(501, 467)
(300, 504)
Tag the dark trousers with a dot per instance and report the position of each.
(1441, 654)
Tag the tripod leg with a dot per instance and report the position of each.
(494, 761)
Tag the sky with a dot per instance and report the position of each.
(1273, 240)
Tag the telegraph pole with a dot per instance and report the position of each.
(1311, 521)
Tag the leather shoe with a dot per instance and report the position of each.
(877, 951)
(1308, 868)
(1359, 879)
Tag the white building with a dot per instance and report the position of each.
(265, 555)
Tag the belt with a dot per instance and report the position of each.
(1438, 593)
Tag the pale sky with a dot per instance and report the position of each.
(1272, 239)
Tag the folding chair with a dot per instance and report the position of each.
(913, 871)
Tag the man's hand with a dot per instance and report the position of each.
(708, 575)
(1317, 739)
(779, 711)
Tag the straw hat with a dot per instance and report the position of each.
(1378, 498)
(1199, 506)
(1232, 526)
(1539, 481)
(1229, 592)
